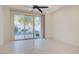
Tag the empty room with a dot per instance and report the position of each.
(39, 29)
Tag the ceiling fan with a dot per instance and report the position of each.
(38, 7)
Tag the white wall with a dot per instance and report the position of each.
(64, 24)
(48, 20)
(48, 26)
(1, 25)
(7, 25)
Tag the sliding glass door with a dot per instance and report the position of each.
(19, 26)
(27, 27)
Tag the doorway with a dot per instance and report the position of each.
(27, 27)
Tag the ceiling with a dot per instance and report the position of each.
(29, 8)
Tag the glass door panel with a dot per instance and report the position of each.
(28, 24)
(19, 26)
(37, 27)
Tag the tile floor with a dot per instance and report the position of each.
(39, 46)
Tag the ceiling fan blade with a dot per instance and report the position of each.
(39, 10)
(43, 7)
(35, 6)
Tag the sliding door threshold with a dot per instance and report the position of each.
(26, 39)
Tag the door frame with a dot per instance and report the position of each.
(25, 14)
